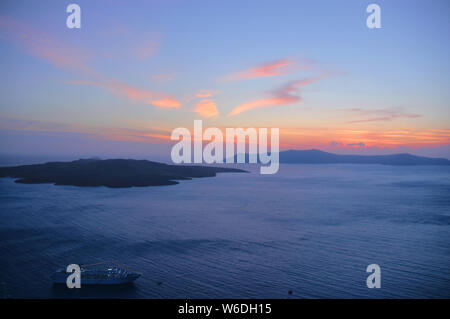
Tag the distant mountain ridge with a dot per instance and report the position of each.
(320, 157)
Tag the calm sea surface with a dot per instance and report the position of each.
(310, 229)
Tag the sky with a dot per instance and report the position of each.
(136, 70)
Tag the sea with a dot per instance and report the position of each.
(309, 231)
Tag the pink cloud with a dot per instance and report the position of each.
(168, 102)
(206, 93)
(272, 68)
(163, 78)
(149, 134)
(133, 93)
(206, 108)
(282, 96)
(148, 48)
(44, 46)
(264, 103)
(75, 60)
(200, 94)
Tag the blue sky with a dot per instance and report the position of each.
(386, 88)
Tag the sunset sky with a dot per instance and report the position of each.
(138, 69)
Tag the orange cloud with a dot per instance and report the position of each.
(264, 103)
(130, 135)
(206, 108)
(290, 137)
(135, 94)
(345, 138)
(168, 102)
(264, 70)
(282, 96)
(206, 93)
(148, 134)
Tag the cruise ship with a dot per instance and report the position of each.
(98, 276)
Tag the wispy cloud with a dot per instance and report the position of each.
(206, 108)
(149, 134)
(274, 68)
(42, 45)
(163, 78)
(75, 60)
(381, 115)
(206, 93)
(287, 94)
(133, 93)
(148, 47)
(348, 138)
(290, 137)
(198, 95)
(271, 68)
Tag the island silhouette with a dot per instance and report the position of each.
(110, 173)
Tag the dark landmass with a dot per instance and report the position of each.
(109, 173)
(320, 157)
